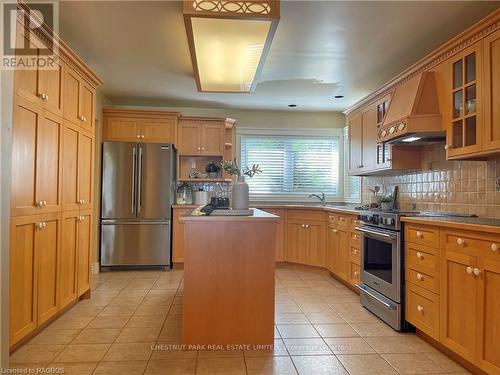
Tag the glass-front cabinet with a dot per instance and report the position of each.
(464, 135)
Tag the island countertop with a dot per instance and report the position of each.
(258, 215)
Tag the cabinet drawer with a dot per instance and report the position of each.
(354, 270)
(354, 253)
(354, 222)
(343, 221)
(422, 310)
(422, 256)
(422, 278)
(422, 235)
(355, 238)
(472, 243)
(306, 215)
(332, 218)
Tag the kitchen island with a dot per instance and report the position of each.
(229, 276)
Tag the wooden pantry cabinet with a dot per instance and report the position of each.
(52, 203)
(122, 125)
(461, 310)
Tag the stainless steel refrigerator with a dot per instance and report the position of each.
(137, 193)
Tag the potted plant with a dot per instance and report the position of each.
(213, 170)
(386, 202)
(240, 194)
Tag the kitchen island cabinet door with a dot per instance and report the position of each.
(178, 236)
(316, 244)
(296, 244)
(459, 304)
(491, 48)
(488, 303)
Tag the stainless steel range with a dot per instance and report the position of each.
(382, 264)
(382, 272)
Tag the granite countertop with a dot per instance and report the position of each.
(471, 223)
(298, 205)
(258, 215)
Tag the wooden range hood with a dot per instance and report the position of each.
(413, 113)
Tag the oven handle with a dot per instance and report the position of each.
(367, 231)
(366, 291)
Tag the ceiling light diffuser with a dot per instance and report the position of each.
(229, 41)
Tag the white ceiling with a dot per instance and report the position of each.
(320, 49)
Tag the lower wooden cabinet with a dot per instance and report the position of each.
(34, 263)
(296, 242)
(306, 243)
(178, 235)
(343, 258)
(68, 258)
(354, 272)
(332, 248)
(422, 310)
(84, 251)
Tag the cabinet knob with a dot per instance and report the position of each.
(469, 270)
(81, 118)
(198, 148)
(420, 308)
(203, 149)
(138, 136)
(334, 230)
(419, 234)
(39, 204)
(419, 255)
(494, 247)
(303, 225)
(447, 147)
(142, 135)
(44, 203)
(307, 225)
(420, 277)
(356, 273)
(477, 271)
(44, 96)
(460, 241)
(39, 225)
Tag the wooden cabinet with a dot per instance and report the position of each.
(369, 139)
(67, 280)
(79, 100)
(33, 267)
(332, 249)
(355, 144)
(297, 242)
(280, 233)
(316, 246)
(36, 159)
(200, 136)
(140, 126)
(491, 85)
(343, 257)
(84, 251)
(178, 236)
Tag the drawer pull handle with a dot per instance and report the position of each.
(460, 241)
(420, 277)
(303, 225)
(420, 255)
(356, 273)
(494, 247)
(419, 234)
(334, 230)
(477, 271)
(420, 308)
(469, 270)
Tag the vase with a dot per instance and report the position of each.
(240, 195)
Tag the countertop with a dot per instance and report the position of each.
(258, 215)
(467, 223)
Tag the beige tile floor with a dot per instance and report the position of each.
(320, 329)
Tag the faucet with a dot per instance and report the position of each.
(321, 198)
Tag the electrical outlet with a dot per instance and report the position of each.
(497, 184)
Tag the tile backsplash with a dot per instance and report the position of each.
(471, 187)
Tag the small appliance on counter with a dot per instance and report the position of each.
(200, 197)
(184, 194)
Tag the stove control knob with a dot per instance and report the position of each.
(375, 220)
(389, 221)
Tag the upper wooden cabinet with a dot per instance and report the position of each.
(201, 136)
(491, 86)
(140, 126)
(355, 143)
(79, 100)
(36, 159)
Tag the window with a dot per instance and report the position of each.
(294, 164)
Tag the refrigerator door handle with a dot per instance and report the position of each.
(134, 157)
(139, 182)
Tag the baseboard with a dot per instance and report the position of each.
(95, 268)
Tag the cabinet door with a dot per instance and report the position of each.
(48, 162)
(67, 286)
(70, 167)
(491, 63)
(72, 94)
(84, 251)
(212, 139)
(22, 278)
(189, 139)
(355, 143)
(296, 244)
(465, 133)
(488, 321)
(332, 249)
(458, 304)
(344, 255)
(85, 170)
(26, 80)
(47, 248)
(121, 129)
(86, 106)
(316, 244)
(280, 235)
(159, 130)
(178, 236)
(369, 136)
(27, 119)
(50, 82)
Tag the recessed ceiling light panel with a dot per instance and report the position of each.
(229, 41)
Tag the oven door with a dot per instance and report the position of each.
(381, 261)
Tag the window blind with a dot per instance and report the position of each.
(292, 165)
